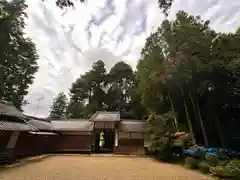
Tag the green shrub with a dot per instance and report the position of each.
(221, 171)
(232, 169)
(234, 165)
(191, 162)
(204, 166)
(212, 159)
(200, 154)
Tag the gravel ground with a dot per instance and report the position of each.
(99, 168)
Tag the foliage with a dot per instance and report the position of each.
(161, 129)
(66, 3)
(120, 82)
(165, 5)
(221, 171)
(18, 54)
(58, 109)
(235, 166)
(212, 159)
(232, 169)
(87, 92)
(185, 67)
(97, 90)
(191, 162)
(214, 166)
(200, 154)
(238, 31)
(186, 140)
(204, 166)
(75, 110)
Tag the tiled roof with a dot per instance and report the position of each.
(15, 126)
(9, 110)
(41, 125)
(105, 116)
(43, 133)
(35, 118)
(133, 126)
(68, 125)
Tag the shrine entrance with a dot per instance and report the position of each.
(105, 124)
(103, 141)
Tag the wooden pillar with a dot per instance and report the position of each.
(97, 141)
(116, 138)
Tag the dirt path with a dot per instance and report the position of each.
(99, 168)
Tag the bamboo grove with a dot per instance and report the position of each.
(188, 68)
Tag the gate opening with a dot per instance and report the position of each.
(103, 141)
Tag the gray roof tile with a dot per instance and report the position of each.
(41, 125)
(43, 133)
(106, 116)
(133, 126)
(9, 110)
(68, 125)
(15, 126)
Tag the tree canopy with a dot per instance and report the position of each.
(185, 67)
(18, 54)
(98, 90)
(59, 107)
(66, 3)
(164, 5)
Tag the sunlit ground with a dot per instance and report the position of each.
(100, 168)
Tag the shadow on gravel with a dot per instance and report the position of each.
(168, 159)
(23, 161)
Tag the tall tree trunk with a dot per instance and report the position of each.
(220, 132)
(202, 125)
(173, 110)
(120, 97)
(187, 114)
(196, 110)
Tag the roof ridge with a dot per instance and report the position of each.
(132, 120)
(94, 116)
(71, 121)
(39, 120)
(11, 110)
(73, 125)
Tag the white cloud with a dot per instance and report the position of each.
(70, 40)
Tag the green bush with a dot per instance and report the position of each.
(220, 171)
(191, 162)
(212, 159)
(204, 166)
(200, 154)
(234, 165)
(160, 130)
(232, 169)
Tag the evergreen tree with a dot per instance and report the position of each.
(96, 90)
(59, 107)
(185, 67)
(18, 54)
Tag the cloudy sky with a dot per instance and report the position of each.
(70, 40)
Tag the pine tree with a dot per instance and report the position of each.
(59, 107)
